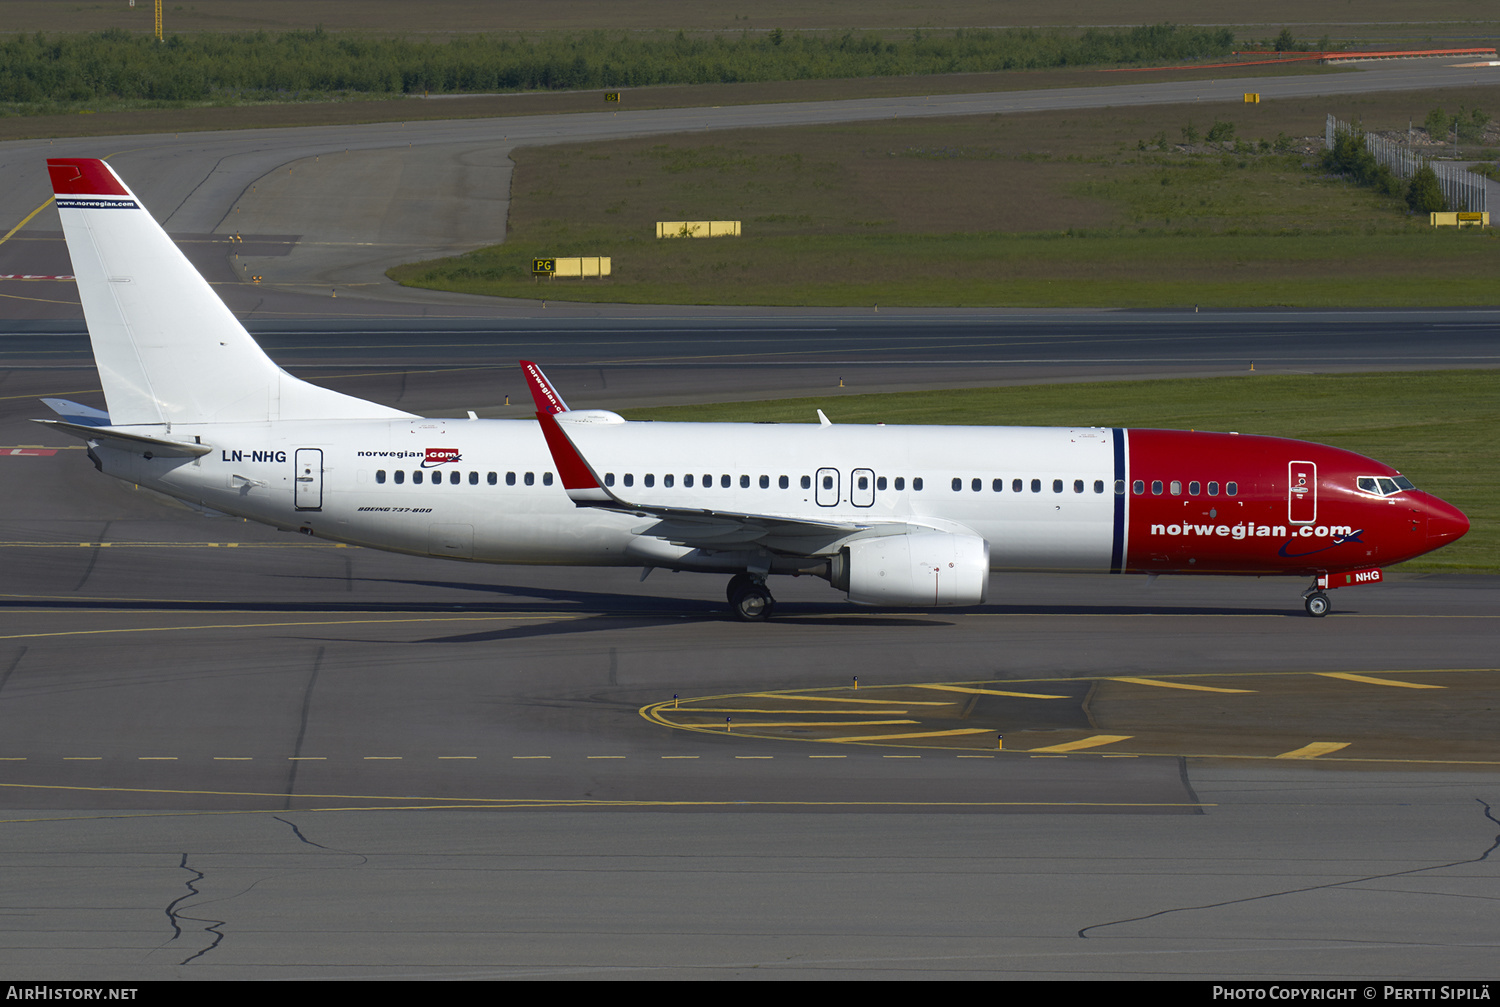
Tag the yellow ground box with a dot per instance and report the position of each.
(597, 265)
(1252, 97)
(1461, 219)
(697, 228)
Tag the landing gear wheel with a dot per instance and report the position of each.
(752, 603)
(1316, 604)
(737, 583)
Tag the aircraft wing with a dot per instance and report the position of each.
(689, 527)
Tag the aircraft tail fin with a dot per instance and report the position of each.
(167, 347)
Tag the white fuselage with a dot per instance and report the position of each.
(486, 490)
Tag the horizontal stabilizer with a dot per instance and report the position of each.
(78, 413)
(156, 447)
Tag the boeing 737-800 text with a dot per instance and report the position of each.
(891, 515)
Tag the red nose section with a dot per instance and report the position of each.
(1445, 523)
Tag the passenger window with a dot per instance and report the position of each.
(1138, 487)
(708, 481)
(1231, 489)
(1156, 487)
(783, 482)
(473, 478)
(609, 478)
(744, 482)
(687, 480)
(1036, 485)
(900, 483)
(649, 479)
(807, 482)
(546, 478)
(454, 478)
(1193, 489)
(667, 480)
(629, 479)
(400, 477)
(916, 484)
(530, 478)
(1078, 486)
(416, 477)
(1015, 485)
(1057, 485)
(492, 478)
(864, 482)
(998, 486)
(765, 482)
(380, 475)
(724, 481)
(977, 485)
(828, 482)
(958, 484)
(879, 483)
(1099, 486)
(1177, 487)
(1213, 489)
(510, 478)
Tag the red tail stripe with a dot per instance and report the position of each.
(83, 176)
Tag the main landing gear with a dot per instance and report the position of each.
(749, 599)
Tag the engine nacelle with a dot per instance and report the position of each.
(923, 569)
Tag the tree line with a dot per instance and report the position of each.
(116, 64)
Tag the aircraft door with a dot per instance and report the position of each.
(826, 487)
(862, 487)
(1302, 492)
(307, 493)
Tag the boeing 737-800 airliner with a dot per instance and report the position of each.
(890, 515)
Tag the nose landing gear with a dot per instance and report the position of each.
(1316, 603)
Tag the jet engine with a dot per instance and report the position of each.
(924, 569)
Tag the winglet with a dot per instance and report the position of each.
(542, 393)
(578, 478)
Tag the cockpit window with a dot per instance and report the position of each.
(1383, 485)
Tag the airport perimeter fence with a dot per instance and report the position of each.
(1462, 189)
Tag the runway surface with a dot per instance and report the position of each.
(226, 752)
(230, 753)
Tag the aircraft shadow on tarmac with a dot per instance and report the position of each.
(520, 599)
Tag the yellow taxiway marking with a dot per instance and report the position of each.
(233, 758)
(819, 723)
(679, 756)
(743, 709)
(1093, 741)
(382, 758)
(841, 699)
(307, 758)
(828, 756)
(27, 219)
(1349, 676)
(531, 756)
(1176, 685)
(921, 734)
(156, 758)
(755, 756)
(283, 625)
(458, 756)
(83, 758)
(1314, 750)
(971, 690)
(604, 756)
